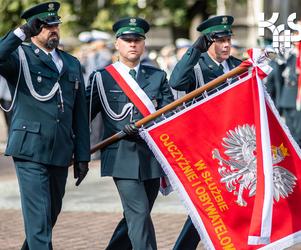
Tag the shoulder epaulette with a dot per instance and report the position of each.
(235, 59)
(151, 67)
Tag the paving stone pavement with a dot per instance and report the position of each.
(90, 213)
(85, 230)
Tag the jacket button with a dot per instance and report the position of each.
(58, 120)
(24, 127)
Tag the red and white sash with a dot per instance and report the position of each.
(131, 88)
(133, 91)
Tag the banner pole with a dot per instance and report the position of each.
(221, 79)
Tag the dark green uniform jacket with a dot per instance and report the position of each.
(129, 158)
(274, 82)
(41, 131)
(289, 88)
(183, 76)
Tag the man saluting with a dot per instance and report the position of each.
(49, 121)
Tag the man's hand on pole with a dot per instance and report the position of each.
(131, 130)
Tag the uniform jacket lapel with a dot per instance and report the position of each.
(231, 63)
(43, 57)
(142, 78)
(212, 66)
(65, 62)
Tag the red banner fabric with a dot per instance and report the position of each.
(211, 151)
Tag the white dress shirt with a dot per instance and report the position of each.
(55, 57)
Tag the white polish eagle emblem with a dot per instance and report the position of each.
(239, 171)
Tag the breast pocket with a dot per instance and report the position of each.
(70, 85)
(25, 137)
(156, 98)
(74, 80)
(42, 80)
(116, 100)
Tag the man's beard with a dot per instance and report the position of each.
(52, 43)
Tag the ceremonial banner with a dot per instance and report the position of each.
(226, 154)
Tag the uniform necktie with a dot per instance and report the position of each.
(133, 73)
(221, 67)
(57, 63)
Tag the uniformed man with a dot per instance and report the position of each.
(197, 68)
(130, 162)
(288, 93)
(49, 121)
(274, 81)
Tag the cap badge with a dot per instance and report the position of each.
(51, 7)
(133, 22)
(225, 20)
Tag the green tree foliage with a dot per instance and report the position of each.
(159, 13)
(10, 14)
(176, 14)
(11, 10)
(81, 15)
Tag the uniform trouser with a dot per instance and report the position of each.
(136, 230)
(42, 188)
(188, 238)
(120, 239)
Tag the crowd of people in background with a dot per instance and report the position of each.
(96, 50)
(112, 77)
(282, 85)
